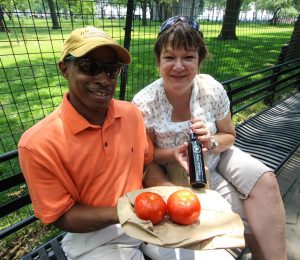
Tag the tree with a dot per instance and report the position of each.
(192, 9)
(144, 11)
(232, 11)
(214, 5)
(160, 8)
(6, 7)
(55, 23)
(293, 51)
(102, 5)
(150, 9)
(201, 6)
(3, 27)
(276, 7)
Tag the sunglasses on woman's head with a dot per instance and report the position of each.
(183, 19)
(94, 67)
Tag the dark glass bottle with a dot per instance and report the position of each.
(196, 162)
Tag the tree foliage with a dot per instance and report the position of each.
(276, 7)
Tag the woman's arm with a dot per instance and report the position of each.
(225, 134)
(225, 137)
(164, 155)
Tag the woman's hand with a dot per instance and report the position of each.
(181, 155)
(202, 131)
(225, 135)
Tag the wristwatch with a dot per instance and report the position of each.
(214, 142)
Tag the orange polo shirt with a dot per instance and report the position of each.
(65, 159)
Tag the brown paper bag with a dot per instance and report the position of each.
(218, 226)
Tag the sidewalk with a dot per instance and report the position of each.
(289, 182)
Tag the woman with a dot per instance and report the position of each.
(181, 96)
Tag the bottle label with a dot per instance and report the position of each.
(197, 160)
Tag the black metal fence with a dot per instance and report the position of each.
(32, 35)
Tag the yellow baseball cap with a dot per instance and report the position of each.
(83, 40)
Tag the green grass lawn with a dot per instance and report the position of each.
(31, 85)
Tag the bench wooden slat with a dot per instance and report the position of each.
(52, 249)
(12, 181)
(273, 135)
(27, 257)
(43, 254)
(57, 249)
(9, 155)
(17, 226)
(14, 205)
(268, 78)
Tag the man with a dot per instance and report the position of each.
(89, 152)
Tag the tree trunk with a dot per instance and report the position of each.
(144, 11)
(169, 8)
(55, 23)
(231, 17)
(166, 12)
(192, 9)
(151, 10)
(102, 11)
(294, 43)
(274, 19)
(3, 27)
(201, 6)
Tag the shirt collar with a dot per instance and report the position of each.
(78, 123)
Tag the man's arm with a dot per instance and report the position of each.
(82, 219)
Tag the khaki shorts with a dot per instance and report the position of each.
(241, 169)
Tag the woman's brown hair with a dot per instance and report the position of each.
(181, 35)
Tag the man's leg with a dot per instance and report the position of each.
(163, 253)
(121, 248)
(109, 243)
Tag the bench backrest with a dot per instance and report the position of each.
(262, 85)
(14, 196)
(243, 93)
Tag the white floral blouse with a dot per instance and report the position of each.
(208, 101)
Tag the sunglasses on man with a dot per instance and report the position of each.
(176, 19)
(93, 67)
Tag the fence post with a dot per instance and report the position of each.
(269, 99)
(127, 39)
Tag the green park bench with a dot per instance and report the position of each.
(271, 135)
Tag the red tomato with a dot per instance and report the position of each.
(183, 207)
(150, 206)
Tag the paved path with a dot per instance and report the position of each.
(289, 182)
